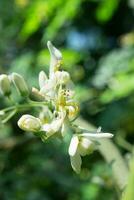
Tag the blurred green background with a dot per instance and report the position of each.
(96, 38)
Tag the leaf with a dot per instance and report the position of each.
(106, 10)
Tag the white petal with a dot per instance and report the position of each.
(73, 145)
(46, 127)
(37, 95)
(76, 162)
(53, 127)
(54, 51)
(95, 136)
(55, 56)
(63, 130)
(42, 79)
(48, 88)
(56, 124)
(86, 146)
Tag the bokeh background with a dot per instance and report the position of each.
(96, 38)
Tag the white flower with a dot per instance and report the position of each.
(48, 87)
(29, 123)
(84, 144)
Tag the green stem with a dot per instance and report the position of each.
(25, 106)
(12, 113)
(13, 109)
(129, 192)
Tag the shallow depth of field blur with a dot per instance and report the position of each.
(96, 38)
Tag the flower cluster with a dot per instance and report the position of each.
(17, 80)
(56, 91)
(56, 97)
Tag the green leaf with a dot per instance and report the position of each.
(106, 10)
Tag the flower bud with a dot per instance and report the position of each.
(5, 88)
(85, 147)
(29, 123)
(72, 111)
(20, 84)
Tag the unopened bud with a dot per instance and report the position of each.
(29, 123)
(72, 111)
(20, 84)
(5, 85)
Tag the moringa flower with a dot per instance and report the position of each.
(66, 102)
(84, 144)
(49, 87)
(56, 97)
(56, 105)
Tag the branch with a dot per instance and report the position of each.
(129, 192)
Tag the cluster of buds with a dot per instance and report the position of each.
(59, 107)
(17, 80)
